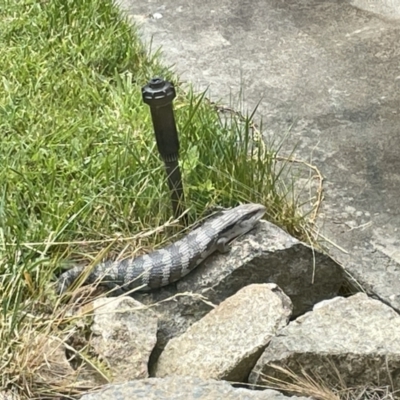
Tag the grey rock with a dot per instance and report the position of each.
(182, 388)
(124, 334)
(266, 254)
(226, 343)
(269, 254)
(358, 337)
(8, 396)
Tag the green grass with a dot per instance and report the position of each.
(79, 167)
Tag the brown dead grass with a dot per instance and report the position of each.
(308, 385)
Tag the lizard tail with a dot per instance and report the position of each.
(67, 278)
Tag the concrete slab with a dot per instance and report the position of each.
(329, 70)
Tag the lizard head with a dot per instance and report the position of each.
(237, 221)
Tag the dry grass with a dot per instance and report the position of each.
(311, 385)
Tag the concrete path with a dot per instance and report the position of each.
(331, 71)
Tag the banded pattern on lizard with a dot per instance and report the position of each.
(169, 264)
